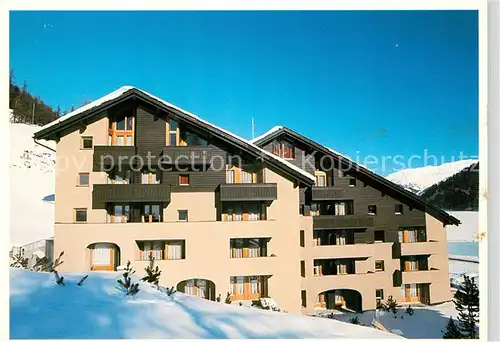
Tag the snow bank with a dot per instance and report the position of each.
(31, 179)
(41, 309)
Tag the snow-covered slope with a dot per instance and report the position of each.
(467, 231)
(31, 179)
(420, 178)
(41, 309)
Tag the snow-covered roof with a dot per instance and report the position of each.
(120, 91)
(272, 130)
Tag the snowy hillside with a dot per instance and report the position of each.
(467, 231)
(41, 309)
(31, 179)
(420, 178)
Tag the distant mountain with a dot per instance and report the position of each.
(458, 192)
(419, 179)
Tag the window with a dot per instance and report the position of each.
(173, 138)
(410, 235)
(81, 215)
(83, 179)
(149, 177)
(379, 235)
(183, 215)
(320, 180)
(183, 179)
(246, 177)
(119, 213)
(194, 140)
(372, 210)
(247, 288)
(341, 268)
(302, 239)
(161, 250)
(302, 268)
(288, 150)
(119, 177)
(87, 143)
(303, 296)
(340, 238)
(230, 176)
(352, 182)
(411, 265)
(379, 293)
(317, 271)
(398, 209)
(379, 265)
(121, 129)
(283, 149)
(243, 212)
(151, 213)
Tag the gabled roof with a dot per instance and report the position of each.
(87, 111)
(279, 131)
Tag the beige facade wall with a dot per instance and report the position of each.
(207, 240)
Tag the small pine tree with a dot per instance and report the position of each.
(466, 301)
(126, 283)
(391, 305)
(152, 273)
(409, 310)
(219, 298)
(80, 282)
(19, 260)
(354, 320)
(228, 298)
(452, 331)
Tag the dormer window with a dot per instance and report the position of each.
(283, 149)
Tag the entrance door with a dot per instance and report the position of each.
(101, 257)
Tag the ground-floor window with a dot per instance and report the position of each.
(196, 287)
(161, 250)
(410, 293)
(247, 287)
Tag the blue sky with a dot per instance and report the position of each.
(381, 83)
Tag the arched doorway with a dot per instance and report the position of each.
(103, 256)
(340, 298)
(202, 288)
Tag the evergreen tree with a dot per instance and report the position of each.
(152, 273)
(466, 301)
(354, 320)
(19, 260)
(452, 330)
(126, 283)
(391, 305)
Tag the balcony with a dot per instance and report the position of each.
(322, 193)
(130, 193)
(105, 156)
(419, 277)
(420, 248)
(343, 251)
(342, 221)
(249, 192)
(186, 155)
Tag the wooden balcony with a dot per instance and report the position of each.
(324, 193)
(249, 192)
(103, 193)
(342, 221)
(186, 155)
(106, 156)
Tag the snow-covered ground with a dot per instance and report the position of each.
(420, 178)
(467, 230)
(31, 179)
(39, 308)
(426, 323)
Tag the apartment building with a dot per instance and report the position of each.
(362, 237)
(137, 176)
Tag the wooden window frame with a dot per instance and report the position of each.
(352, 182)
(373, 212)
(180, 180)
(82, 142)
(114, 133)
(79, 184)
(282, 150)
(177, 132)
(76, 210)
(318, 175)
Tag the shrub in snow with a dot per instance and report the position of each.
(80, 282)
(19, 260)
(219, 298)
(152, 273)
(354, 320)
(391, 306)
(59, 280)
(409, 310)
(452, 330)
(228, 298)
(126, 283)
(466, 301)
(266, 304)
(241, 304)
(44, 265)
